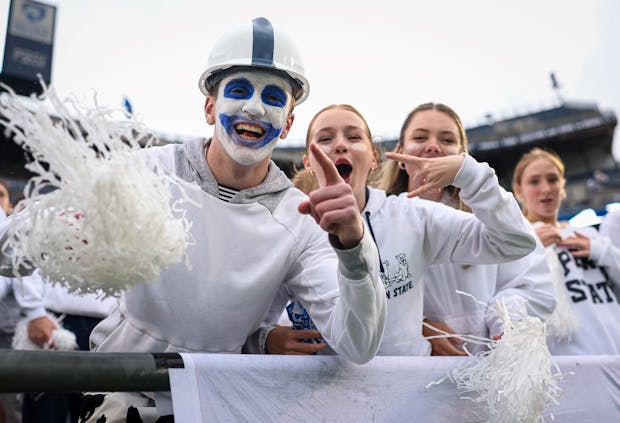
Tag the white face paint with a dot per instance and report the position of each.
(360, 146)
(327, 149)
(409, 148)
(251, 111)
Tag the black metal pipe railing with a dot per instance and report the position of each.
(83, 371)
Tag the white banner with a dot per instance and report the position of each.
(270, 388)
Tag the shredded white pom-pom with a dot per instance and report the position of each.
(62, 339)
(514, 378)
(108, 222)
(562, 324)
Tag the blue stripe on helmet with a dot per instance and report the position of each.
(262, 46)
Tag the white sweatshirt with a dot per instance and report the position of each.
(243, 252)
(58, 298)
(19, 295)
(412, 234)
(524, 284)
(33, 295)
(592, 285)
(610, 227)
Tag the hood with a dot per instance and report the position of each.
(376, 198)
(194, 152)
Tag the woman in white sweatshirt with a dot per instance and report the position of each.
(586, 264)
(411, 233)
(435, 130)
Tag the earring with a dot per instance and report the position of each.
(401, 165)
(310, 172)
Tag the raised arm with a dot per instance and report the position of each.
(333, 205)
(350, 314)
(497, 232)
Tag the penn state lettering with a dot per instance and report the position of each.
(582, 262)
(599, 292)
(399, 290)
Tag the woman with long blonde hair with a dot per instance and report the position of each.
(410, 234)
(586, 264)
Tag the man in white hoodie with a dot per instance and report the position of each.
(253, 231)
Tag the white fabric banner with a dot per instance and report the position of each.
(271, 388)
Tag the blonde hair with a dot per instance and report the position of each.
(304, 179)
(395, 180)
(530, 157)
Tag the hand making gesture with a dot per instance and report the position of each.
(429, 173)
(333, 204)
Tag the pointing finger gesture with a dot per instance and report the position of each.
(333, 205)
(326, 171)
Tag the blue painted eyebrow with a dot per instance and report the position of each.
(273, 96)
(240, 89)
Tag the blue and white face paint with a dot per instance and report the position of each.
(251, 111)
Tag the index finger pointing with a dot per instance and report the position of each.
(328, 170)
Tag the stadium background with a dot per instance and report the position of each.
(579, 132)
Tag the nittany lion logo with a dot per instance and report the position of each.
(400, 275)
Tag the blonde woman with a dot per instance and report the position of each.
(587, 264)
(410, 234)
(434, 130)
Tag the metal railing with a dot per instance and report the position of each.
(83, 371)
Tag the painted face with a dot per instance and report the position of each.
(251, 111)
(343, 136)
(540, 190)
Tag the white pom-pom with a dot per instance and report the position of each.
(109, 222)
(62, 339)
(514, 378)
(562, 324)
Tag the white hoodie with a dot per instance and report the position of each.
(244, 252)
(412, 234)
(19, 295)
(524, 284)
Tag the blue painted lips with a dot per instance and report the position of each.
(248, 133)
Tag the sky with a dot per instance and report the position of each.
(383, 57)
